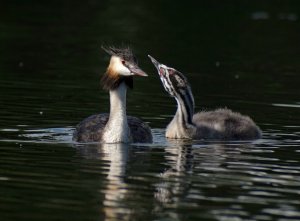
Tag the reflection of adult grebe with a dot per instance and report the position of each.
(220, 124)
(112, 184)
(116, 126)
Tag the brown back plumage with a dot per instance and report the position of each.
(91, 129)
(224, 124)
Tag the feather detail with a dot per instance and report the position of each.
(124, 53)
(111, 82)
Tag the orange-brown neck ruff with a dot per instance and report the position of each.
(111, 81)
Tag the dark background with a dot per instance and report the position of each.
(239, 54)
(243, 55)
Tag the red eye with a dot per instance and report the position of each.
(123, 62)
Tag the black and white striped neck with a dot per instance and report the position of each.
(185, 106)
(182, 125)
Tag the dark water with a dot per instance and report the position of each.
(239, 54)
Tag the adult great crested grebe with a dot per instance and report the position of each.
(220, 124)
(116, 127)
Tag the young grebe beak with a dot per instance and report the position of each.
(162, 69)
(155, 62)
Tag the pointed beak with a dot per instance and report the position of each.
(161, 68)
(138, 71)
(155, 62)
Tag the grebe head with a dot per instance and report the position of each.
(122, 66)
(174, 82)
(123, 62)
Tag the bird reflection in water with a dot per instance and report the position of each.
(183, 157)
(115, 190)
(182, 169)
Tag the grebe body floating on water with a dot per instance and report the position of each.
(116, 127)
(220, 124)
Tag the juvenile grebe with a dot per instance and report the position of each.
(116, 127)
(220, 124)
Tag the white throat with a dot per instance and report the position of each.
(179, 128)
(117, 129)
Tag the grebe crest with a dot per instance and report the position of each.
(122, 66)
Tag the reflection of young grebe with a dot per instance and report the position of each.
(220, 124)
(116, 126)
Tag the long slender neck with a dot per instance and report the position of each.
(117, 129)
(182, 125)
